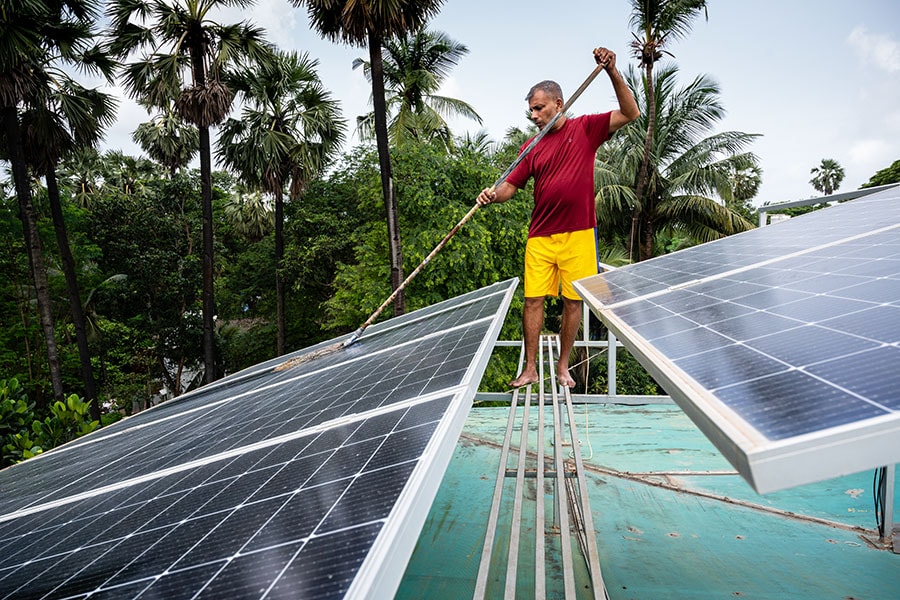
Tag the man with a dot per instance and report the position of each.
(561, 246)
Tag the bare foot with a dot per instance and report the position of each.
(563, 377)
(525, 378)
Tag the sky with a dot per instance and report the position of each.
(816, 79)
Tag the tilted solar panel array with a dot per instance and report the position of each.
(308, 482)
(782, 343)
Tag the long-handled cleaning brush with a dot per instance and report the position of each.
(312, 355)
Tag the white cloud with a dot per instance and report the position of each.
(450, 87)
(869, 151)
(277, 18)
(128, 116)
(892, 121)
(876, 49)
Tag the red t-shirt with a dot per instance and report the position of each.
(562, 165)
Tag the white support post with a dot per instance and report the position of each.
(611, 363)
(889, 533)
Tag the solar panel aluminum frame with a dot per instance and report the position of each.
(768, 466)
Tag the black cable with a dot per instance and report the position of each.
(879, 489)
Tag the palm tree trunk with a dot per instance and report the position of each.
(33, 244)
(647, 233)
(644, 172)
(68, 264)
(209, 305)
(279, 278)
(387, 180)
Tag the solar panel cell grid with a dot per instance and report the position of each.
(278, 485)
(791, 331)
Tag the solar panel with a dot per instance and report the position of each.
(308, 482)
(781, 343)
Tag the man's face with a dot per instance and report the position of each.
(543, 108)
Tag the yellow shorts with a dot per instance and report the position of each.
(562, 257)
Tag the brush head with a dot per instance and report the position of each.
(309, 356)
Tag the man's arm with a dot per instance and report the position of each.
(501, 193)
(628, 109)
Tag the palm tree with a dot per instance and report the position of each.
(658, 22)
(180, 38)
(250, 213)
(289, 129)
(370, 22)
(125, 173)
(39, 36)
(167, 140)
(745, 180)
(80, 171)
(415, 67)
(65, 117)
(479, 143)
(690, 169)
(827, 177)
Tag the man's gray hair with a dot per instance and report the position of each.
(548, 87)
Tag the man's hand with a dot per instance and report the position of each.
(605, 57)
(487, 196)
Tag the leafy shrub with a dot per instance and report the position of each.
(16, 416)
(23, 436)
(67, 421)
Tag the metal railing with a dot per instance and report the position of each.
(609, 346)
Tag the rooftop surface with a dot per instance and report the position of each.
(673, 519)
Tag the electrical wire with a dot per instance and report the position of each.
(879, 490)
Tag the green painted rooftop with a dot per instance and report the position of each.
(672, 520)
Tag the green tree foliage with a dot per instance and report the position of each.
(658, 23)
(167, 139)
(250, 213)
(745, 180)
(416, 64)
(182, 54)
(20, 334)
(692, 166)
(16, 412)
(435, 192)
(153, 237)
(24, 435)
(827, 177)
(39, 108)
(887, 175)
(369, 23)
(289, 131)
(61, 121)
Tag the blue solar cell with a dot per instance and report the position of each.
(728, 365)
(752, 325)
(717, 311)
(809, 344)
(871, 375)
(694, 341)
(818, 308)
(664, 327)
(792, 403)
(879, 323)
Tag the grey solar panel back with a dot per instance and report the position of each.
(781, 343)
(311, 482)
